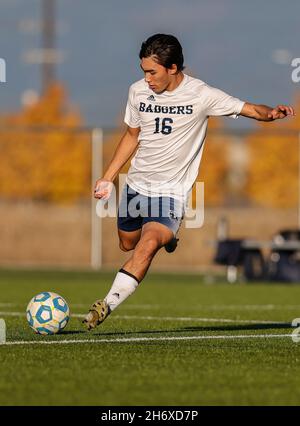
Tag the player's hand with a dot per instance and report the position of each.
(103, 189)
(281, 111)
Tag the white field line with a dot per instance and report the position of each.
(247, 307)
(151, 318)
(192, 308)
(147, 339)
(209, 307)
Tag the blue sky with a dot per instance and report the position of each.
(230, 44)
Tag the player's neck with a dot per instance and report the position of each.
(174, 83)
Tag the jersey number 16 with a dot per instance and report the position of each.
(161, 126)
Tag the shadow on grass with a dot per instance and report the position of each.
(273, 326)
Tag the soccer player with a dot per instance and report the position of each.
(166, 116)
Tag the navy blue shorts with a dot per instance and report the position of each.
(136, 209)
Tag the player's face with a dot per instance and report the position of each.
(157, 76)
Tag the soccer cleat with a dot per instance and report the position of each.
(97, 314)
(171, 245)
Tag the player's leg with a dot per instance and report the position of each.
(153, 236)
(158, 230)
(129, 231)
(128, 240)
(129, 226)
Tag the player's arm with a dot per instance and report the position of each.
(124, 151)
(266, 113)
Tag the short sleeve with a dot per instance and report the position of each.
(220, 103)
(132, 117)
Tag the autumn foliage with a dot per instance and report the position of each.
(214, 166)
(273, 167)
(267, 172)
(44, 155)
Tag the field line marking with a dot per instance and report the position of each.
(151, 318)
(192, 308)
(13, 314)
(247, 307)
(146, 339)
(198, 319)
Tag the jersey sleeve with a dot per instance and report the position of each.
(219, 103)
(132, 117)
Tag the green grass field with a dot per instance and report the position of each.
(179, 340)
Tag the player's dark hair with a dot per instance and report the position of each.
(166, 48)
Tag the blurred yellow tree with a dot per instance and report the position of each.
(273, 171)
(214, 165)
(44, 155)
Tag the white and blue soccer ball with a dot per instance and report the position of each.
(47, 313)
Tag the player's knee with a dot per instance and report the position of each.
(126, 245)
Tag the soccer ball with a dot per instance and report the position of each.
(47, 313)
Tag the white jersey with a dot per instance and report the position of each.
(173, 128)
